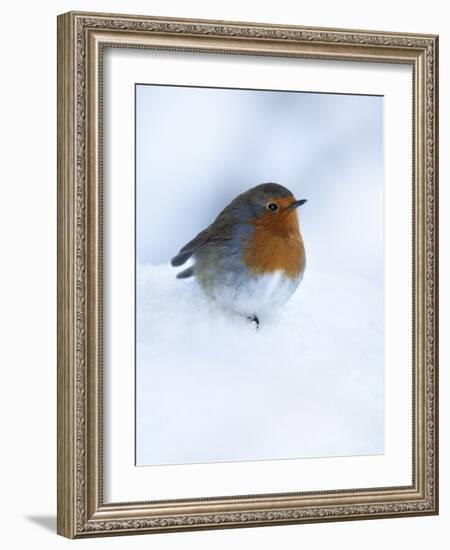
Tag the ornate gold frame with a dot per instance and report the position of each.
(81, 510)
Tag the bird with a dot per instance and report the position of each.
(251, 258)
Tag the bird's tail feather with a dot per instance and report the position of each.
(181, 258)
(186, 273)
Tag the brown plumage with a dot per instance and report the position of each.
(251, 258)
(277, 243)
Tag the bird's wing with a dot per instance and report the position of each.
(220, 230)
(188, 249)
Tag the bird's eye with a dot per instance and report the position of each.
(272, 206)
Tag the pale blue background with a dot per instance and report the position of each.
(196, 149)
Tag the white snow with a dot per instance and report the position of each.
(210, 387)
(310, 382)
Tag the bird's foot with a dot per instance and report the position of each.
(254, 319)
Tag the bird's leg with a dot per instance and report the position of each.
(254, 319)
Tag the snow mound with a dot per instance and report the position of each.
(210, 387)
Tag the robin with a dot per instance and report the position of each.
(251, 259)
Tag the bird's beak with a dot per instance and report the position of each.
(296, 204)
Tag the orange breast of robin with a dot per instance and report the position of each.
(276, 243)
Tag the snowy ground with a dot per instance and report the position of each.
(211, 388)
(310, 382)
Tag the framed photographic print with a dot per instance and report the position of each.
(247, 274)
